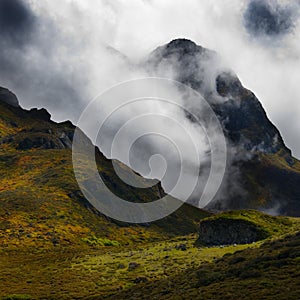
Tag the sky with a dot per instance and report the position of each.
(60, 54)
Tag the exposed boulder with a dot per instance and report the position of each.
(226, 231)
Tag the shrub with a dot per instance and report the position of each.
(17, 297)
(236, 260)
(206, 277)
(249, 274)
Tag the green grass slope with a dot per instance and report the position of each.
(172, 268)
(55, 245)
(98, 273)
(271, 271)
(243, 227)
(41, 205)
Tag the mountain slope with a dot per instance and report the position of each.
(269, 272)
(60, 247)
(172, 268)
(261, 173)
(40, 201)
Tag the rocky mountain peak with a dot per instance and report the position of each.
(242, 115)
(186, 61)
(261, 165)
(183, 46)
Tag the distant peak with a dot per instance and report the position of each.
(182, 43)
(177, 48)
(182, 46)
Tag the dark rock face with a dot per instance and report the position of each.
(42, 142)
(244, 119)
(8, 97)
(228, 85)
(44, 139)
(228, 232)
(247, 125)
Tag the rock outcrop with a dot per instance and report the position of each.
(223, 231)
(8, 97)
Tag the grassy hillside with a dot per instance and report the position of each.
(271, 271)
(81, 274)
(40, 202)
(55, 245)
(273, 226)
(171, 269)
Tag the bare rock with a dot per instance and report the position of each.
(8, 97)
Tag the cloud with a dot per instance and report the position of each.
(50, 62)
(16, 21)
(269, 18)
(67, 61)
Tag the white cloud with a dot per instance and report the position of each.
(270, 68)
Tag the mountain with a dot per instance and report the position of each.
(40, 201)
(56, 245)
(261, 172)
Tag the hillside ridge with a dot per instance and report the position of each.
(41, 204)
